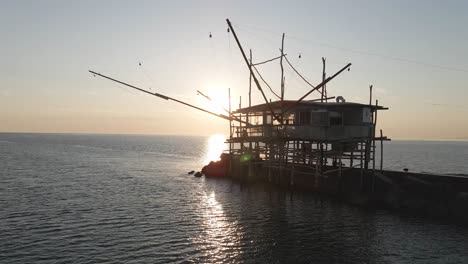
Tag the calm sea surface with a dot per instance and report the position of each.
(128, 199)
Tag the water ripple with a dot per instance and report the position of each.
(134, 203)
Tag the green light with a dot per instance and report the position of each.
(246, 157)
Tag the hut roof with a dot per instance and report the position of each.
(281, 105)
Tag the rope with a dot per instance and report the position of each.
(263, 62)
(375, 54)
(300, 74)
(152, 82)
(255, 68)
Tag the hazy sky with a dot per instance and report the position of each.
(47, 48)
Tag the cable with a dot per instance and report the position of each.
(270, 60)
(255, 68)
(152, 82)
(301, 75)
(363, 52)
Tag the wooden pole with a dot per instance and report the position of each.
(321, 158)
(375, 121)
(323, 79)
(251, 72)
(230, 122)
(339, 175)
(270, 60)
(381, 151)
(282, 69)
(250, 81)
(373, 139)
(360, 163)
(373, 146)
(367, 156)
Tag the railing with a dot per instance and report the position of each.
(261, 131)
(306, 132)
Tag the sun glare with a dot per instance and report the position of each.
(216, 99)
(213, 148)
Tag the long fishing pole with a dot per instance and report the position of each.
(251, 71)
(162, 96)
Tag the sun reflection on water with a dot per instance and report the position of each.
(219, 236)
(220, 239)
(214, 146)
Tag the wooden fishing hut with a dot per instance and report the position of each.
(308, 137)
(316, 138)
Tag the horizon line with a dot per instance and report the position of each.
(192, 135)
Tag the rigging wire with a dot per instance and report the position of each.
(118, 85)
(295, 83)
(147, 75)
(261, 77)
(302, 77)
(368, 53)
(270, 60)
(214, 59)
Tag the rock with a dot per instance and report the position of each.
(198, 174)
(217, 169)
(191, 172)
(462, 195)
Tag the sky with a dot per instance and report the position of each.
(413, 52)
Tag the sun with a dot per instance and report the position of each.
(214, 99)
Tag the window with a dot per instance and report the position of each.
(267, 120)
(335, 119)
(366, 115)
(289, 119)
(319, 117)
(304, 118)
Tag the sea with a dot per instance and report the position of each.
(83, 198)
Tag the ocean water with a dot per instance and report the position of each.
(128, 199)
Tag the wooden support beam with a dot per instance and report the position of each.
(381, 151)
